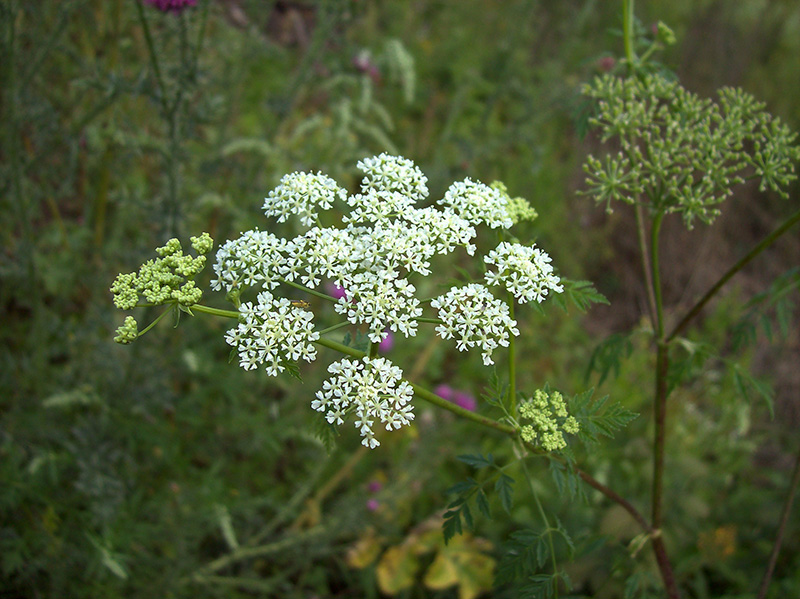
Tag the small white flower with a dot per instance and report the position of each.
(372, 388)
(255, 257)
(473, 316)
(524, 271)
(478, 203)
(302, 194)
(271, 333)
(393, 174)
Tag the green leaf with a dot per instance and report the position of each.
(504, 488)
(483, 503)
(476, 461)
(451, 526)
(580, 294)
(744, 381)
(598, 417)
(608, 356)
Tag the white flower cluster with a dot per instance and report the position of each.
(473, 316)
(525, 271)
(255, 258)
(373, 388)
(383, 241)
(273, 332)
(300, 194)
(393, 174)
(478, 203)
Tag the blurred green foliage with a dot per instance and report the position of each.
(134, 471)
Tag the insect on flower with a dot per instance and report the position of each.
(301, 304)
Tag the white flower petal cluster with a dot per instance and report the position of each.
(393, 174)
(525, 271)
(382, 300)
(478, 203)
(302, 194)
(473, 316)
(445, 230)
(254, 258)
(272, 332)
(377, 206)
(373, 388)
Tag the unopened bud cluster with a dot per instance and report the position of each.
(548, 420)
(682, 153)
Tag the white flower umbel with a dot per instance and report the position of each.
(373, 388)
(271, 333)
(380, 300)
(254, 258)
(444, 229)
(524, 271)
(302, 194)
(478, 203)
(393, 174)
(473, 316)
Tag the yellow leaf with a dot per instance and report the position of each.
(364, 551)
(462, 562)
(397, 569)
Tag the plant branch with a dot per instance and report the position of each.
(787, 508)
(763, 245)
(648, 275)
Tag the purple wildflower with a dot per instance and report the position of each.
(465, 400)
(386, 344)
(373, 505)
(445, 392)
(374, 486)
(335, 291)
(175, 6)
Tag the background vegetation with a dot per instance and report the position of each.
(161, 470)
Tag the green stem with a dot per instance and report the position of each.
(648, 275)
(627, 27)
(542, 513)
(155, 322)
(512, 362)
(763, 245)
(214, 311)
(313, 292)
(153, 56)
(776, 547)
(333, 328)
(243, 553)
(660, 417)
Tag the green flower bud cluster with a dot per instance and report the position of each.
(681, 153)
(519, 209)
(549, 420)
(128, 332)
(166, 279)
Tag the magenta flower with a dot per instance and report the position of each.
(460, 398)
(374, 486)
(373, 505)
(386, 344)
(335, 291)
(465, 400)
(175, 6)
(444, 391)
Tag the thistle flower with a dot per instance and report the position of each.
(175, 6)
